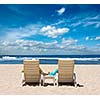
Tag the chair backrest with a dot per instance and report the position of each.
(65, 71)
(31, 71)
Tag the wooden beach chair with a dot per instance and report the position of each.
(66, 72)
(31, 72)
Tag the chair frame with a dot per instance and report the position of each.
(74, 74)
(30, 64)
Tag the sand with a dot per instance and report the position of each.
(88, 78)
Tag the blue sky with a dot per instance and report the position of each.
(49, 29)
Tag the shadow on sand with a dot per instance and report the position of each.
(50, 84)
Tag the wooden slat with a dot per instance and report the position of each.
(68, 73)
(31, 65)
(65, 62)
(66, 65)
(32, 80)
(65, 68)
(67, 80)
(31, 72)
(32, 76)
(31, 62)
(65, 71)
(34, 70)
(65, 77)
(29, 68)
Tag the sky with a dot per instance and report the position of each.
(49, 29)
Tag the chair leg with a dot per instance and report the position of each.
(57, 84)
(54, 81)
(43, 82)
(40, 82)
(23, 83)
(42, 79)
(75, 82)
(23, 80)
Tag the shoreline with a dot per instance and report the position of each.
(75, 65)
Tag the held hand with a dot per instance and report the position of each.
(48, 73)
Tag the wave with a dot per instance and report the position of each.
(47, 58)
(14, 58)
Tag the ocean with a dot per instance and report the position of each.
(50, 59)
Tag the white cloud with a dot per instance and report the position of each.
(20, 32)
(76, 24)
(30, 30)
(97, 25)
(35, 47)
(86, 21)
(91, 39)
(44, 29)
(97, 38)
(87, 38)
(52, 31)
(68, 46)
(93, 17)
(59, 22)
(69, 41)
(92, 21)
(61, 11)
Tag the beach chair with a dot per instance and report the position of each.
(31, 72)
(66, 72)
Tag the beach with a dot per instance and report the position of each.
(88, 79)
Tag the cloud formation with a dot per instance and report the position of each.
(57, 29)
(66, 46)
(25, 46)
(52, 31)
(97, 38)
(69, 41)
(87, 38)
(61, 11)
(20, 32)
(86, 21)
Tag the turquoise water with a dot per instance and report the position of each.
(50, 59)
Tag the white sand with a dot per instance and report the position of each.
(87, 75)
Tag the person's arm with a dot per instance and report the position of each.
(41, 71)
